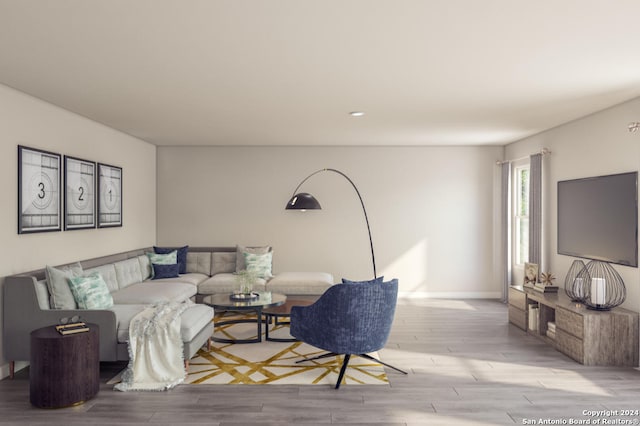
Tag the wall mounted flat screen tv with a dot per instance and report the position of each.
(598, 218)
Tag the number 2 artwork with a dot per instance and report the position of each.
(39, 197)
(80, 200)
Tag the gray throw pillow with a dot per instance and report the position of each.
(58, 284)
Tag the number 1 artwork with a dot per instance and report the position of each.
(109, 196)
(39, 195)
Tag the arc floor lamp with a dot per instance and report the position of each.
(305, 201)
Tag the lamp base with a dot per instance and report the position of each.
(598, 308)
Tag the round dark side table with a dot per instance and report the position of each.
(64, 370)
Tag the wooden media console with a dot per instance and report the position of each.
(608, 338)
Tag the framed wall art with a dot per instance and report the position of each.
(530, 274)
(80, 189)
(39, 190)
(109, 196)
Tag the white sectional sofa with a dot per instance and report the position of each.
(209, 270)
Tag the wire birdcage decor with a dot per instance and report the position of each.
(573, 287)
(603, 286)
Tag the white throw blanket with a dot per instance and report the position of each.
(155, 349)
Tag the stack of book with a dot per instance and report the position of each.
(73, 328)
(534, 316)
(544, 288)
(551, 330)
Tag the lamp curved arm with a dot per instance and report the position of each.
(366, 217)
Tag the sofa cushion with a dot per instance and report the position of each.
(108, 273)
(145, 266)
(181, 255)
(223, 262)
(225, 283)
(199, 262)
(124, 315)
(149, 292)
(290, 283)
(91, 292)
(240, 250)
(192, 278)
(192, 320)
(58, 283)
(128, 272)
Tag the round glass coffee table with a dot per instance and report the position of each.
(275, 313)
(227, 302)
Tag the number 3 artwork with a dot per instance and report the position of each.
(39, 190)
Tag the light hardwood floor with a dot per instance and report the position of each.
(467, 366)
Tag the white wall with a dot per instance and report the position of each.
(595, 145)
(430, 209)
(27, 121)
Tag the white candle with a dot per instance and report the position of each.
(597, 291)
(577, 288)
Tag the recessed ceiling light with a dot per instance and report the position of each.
(356, 113)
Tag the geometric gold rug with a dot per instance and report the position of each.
(274, 362)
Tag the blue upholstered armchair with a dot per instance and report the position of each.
(349, 319)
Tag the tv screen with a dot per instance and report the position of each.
(598, 218)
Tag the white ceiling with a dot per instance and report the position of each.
(287, 72)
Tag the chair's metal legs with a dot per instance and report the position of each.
(383, 363)
(343, 369)
(327, 355)
(346, 361)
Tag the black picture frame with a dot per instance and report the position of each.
(109, 196)
(79, 195)
(39, 190)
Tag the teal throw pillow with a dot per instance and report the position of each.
(163, 259)
(241, 250)
(91, 292)
(181, 256)
(259, 263)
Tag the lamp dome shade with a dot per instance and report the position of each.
(303, 201)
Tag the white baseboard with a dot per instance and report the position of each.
(449, 295)
(4, 369)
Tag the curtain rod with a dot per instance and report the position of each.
(543, 151)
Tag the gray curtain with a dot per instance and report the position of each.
(505, 227)
(535, 209)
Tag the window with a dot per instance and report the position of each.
(521, 215)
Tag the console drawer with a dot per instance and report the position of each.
(518, 299)
(518, 317)
(570, 322)
(570, 345)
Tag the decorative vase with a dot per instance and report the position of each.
(574, 287)
(244, 282)
(602, 285)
